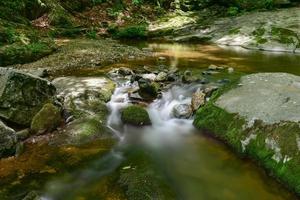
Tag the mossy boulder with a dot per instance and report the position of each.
(47, 119)
(85, 130)
(8, 140)
(135, 115)
(22, 96)
(259, 118)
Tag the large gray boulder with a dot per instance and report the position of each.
(269, 97)
(8, 140)
(22, 96)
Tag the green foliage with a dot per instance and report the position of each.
(233, 11)
(7, 35)
(132, 32)
(91, 33)
(137, 2)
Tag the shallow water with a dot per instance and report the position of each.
(189, 164)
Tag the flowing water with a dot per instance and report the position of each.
(189, 164)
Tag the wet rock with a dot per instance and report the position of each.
(135, 115)
(182, 111)
(188, 77)
(23, 95)
(150, 77)
(198, 99)
(8, 140)
(162, 76)
(148, 90)
(47, 119)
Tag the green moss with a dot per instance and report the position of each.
(261, 40)
(47, 119)
(135, 115)
(259, 32)
(285, 36)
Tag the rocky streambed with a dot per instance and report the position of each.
(94, 136)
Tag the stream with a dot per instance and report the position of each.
(171, 156)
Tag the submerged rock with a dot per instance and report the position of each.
(47, 119)
(23, 95)
(8, 140)
(182, 111)
(135, 115)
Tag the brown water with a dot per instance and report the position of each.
(191, 165)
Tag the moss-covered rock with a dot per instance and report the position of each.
(264, 128)
(47, 119)
(135, 115)
(22, 96)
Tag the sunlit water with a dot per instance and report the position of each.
(198, 166)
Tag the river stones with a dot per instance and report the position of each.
(182, 111)
(22, 96)
(135, 115)
(8, 140)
